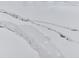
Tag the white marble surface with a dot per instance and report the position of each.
(64, 14)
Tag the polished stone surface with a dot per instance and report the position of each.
(12, 43)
